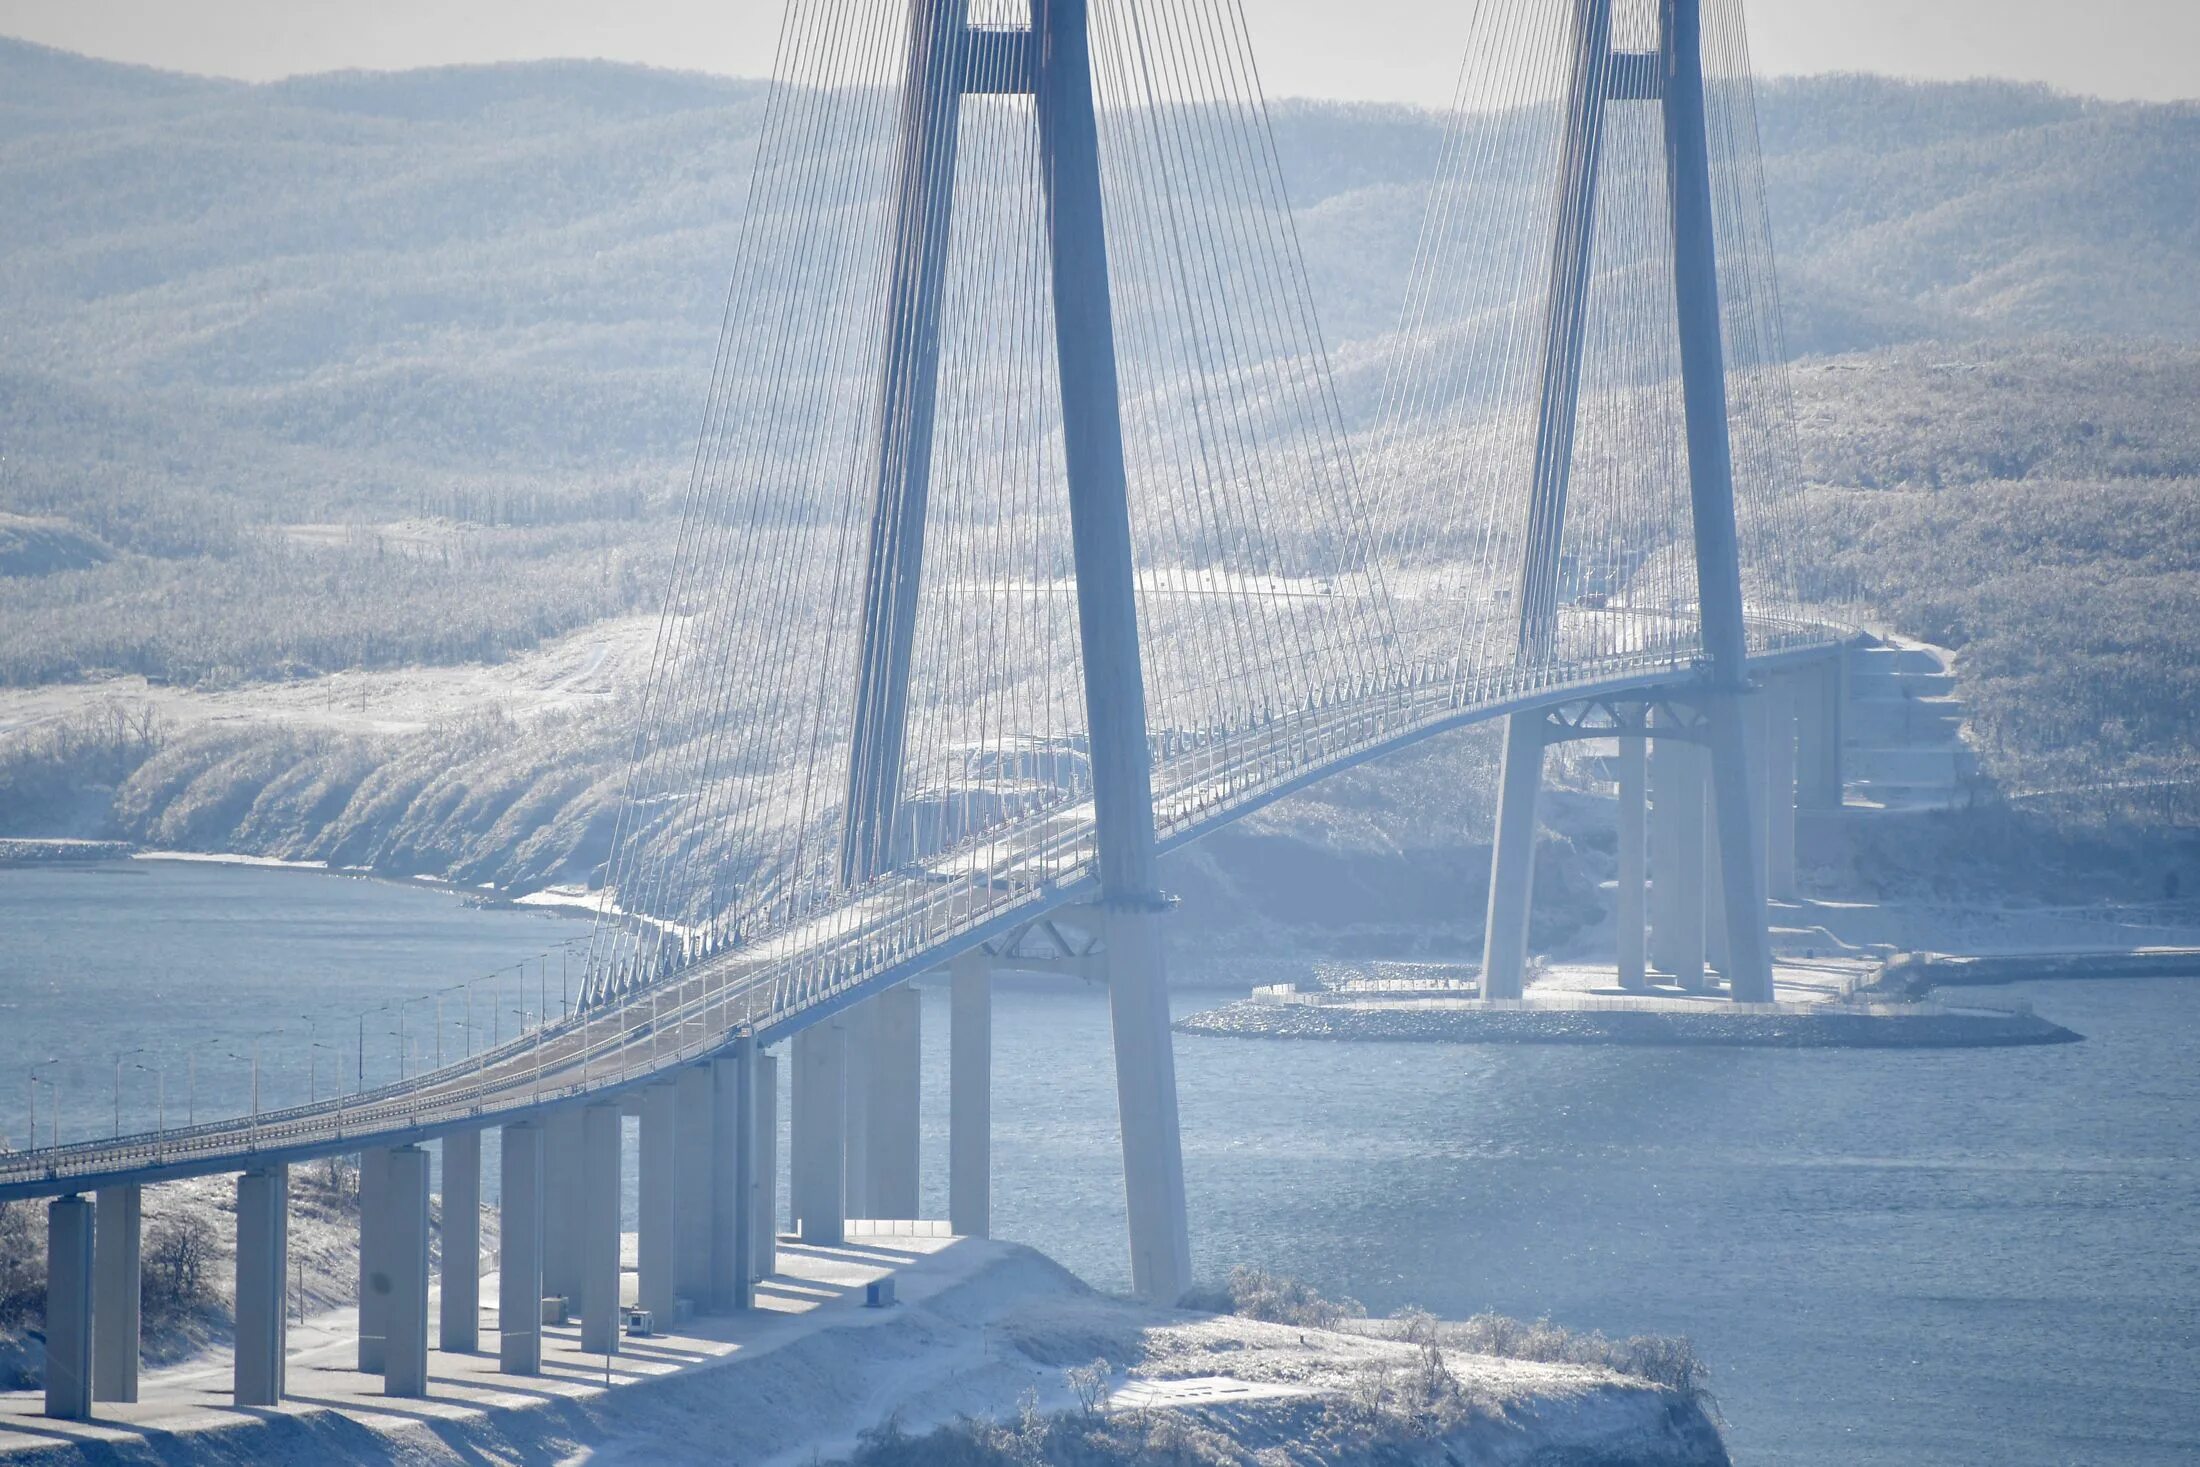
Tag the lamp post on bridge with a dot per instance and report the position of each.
(55, 1087)
(120, 1056)
(254, 1060)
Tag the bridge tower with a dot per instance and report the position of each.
(1050, 62)
(1670, 76)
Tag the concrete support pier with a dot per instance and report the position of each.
(374, 1270)
(563, 1204)
(405, 1357)
(1512, 860)
(1627, 914)
(817, 1169)
(117, 1270)
(69, 1308)
(519, 1248)
(1677, 801)
(894, 1095)
(970, 1096)
(696, 1141)
(1145, 1090)
(1779, 769)
(657, 1218)
(859, 1044)
(459, 1330)
(1819, 694)
(263, 1251)
(601, 1184)
(764, 1221)
(729, 1241)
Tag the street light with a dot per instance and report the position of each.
(254, 1059)
(120, 1056)
(55, 1087)
(160, 1100)
(313, 1071)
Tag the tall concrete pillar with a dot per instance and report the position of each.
(117, 1269)
(1779, 769)
(601, 1185)
(764, 1225)
(1715, 945)
(1145, 1090)
(895, 1096)
(69, 1308)
(460, 1326)
(656, 1243)
(859, 1043)
(263, 1247)
(970, 1097)
(696, 1142)
(729, 1242)
(374, 1268)
(519, 1249)
(817, 1171)
(1664, 838)
(1512, 860)
(1677, 787)
(1627, 914)
(1819, 694)
(564, 1204)
(405, 1357)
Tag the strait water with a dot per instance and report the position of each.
(1940, 1257)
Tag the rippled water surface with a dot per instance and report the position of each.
(1959, 1257)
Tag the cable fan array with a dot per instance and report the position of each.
(1258, 600)
(1455, 446)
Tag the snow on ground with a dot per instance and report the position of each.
(981, 1327)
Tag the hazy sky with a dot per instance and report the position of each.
(1388, 49)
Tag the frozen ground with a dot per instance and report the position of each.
(981, 1329)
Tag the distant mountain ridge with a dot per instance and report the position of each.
(354, 283)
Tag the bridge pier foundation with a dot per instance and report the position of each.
(405, 1357)
(1512, 860)
(695, 1145)
(259, 1372)
(564, 1194)
(656, 1245)
(374, 1268)
(894, 1095)
(1628, 907)
(69, 1308)
(459, 1330)
(817, 1169)
(601, 1186)
(116, 1237)
(1715, 945)
(859, 1042)
(764, 1201)
(1145, 1089)
(1820, 691)
(970, 1096)
(519, 1248)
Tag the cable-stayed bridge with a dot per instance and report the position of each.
(1031, 534)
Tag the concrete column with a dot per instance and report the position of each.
(1780, 789)
(1145, 1092)
(263, 1248)
(730, 1243)
(1627, 914)
(696, 1142)
(895, 1096)
(519, 1249)
(564, 1203)
(1819, 694)
(859, 1029)
(374, 1269)
(69, 1308)
(1512, 860)
(817, 1170)
(1661, 761)
(656, 1243)
(117, 1270)
(405, 1357)
(764, 1227)
(1678, 775)
(1715, 946)
(460, 1327)
(601, 1185)
(970, 1097)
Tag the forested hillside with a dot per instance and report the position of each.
(378, 371)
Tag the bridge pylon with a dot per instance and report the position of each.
(1051, 62)
(1672, 77)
